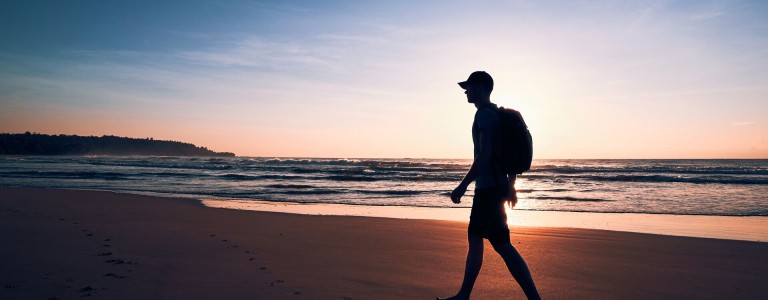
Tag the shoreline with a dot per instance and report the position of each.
(106, 245)
(743, 228)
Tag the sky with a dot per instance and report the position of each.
(377, 79)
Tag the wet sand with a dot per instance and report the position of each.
(744, 228)
(63, 244)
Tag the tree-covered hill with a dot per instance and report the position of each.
(43, 144)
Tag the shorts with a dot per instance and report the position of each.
(489, 218)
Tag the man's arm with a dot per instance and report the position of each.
(480, 164)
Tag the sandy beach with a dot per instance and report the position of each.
(66, 244)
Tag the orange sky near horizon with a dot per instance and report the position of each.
(679, 79)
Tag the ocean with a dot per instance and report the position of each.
(676, 187)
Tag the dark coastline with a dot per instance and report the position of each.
(43, 144)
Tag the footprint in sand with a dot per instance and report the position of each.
(114, 275)
(276, 281)
(86, 290)
(116, 261)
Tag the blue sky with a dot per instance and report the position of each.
(595, 79)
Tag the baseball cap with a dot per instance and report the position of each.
(478, 77)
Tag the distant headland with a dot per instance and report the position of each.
(43, 144)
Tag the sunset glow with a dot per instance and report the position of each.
(651, 79)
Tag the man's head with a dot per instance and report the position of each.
(478, 87)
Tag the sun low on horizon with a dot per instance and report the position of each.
(593, 79)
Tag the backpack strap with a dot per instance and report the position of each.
(497, 111)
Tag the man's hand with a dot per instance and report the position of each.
(511, 194)
(457, 193)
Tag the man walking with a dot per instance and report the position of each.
(488, 219)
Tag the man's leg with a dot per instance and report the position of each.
(472, 268)
(518, 268)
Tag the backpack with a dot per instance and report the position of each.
(514, 145)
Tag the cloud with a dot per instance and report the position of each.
(258, 52)
(352, 39)
(743, 123)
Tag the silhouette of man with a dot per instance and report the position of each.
(488, 218)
